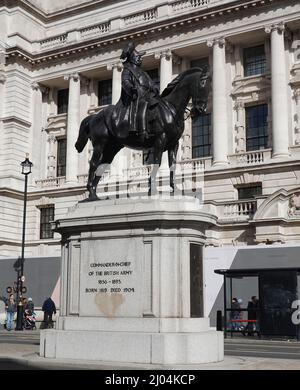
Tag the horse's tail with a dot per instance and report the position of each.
(83, 136)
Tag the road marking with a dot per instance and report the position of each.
(251, 351)
(264, 346)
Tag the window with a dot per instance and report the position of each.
(47, 216)
(153, 73)
(257, 127)
(254, 60)
(61, 157)
(249, 191)
(201, 136)
(198, 63)
(104, 92)
(62, 101)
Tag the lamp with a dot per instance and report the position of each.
(26, 170)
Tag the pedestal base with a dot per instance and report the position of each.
(132, 284)
(166, 341)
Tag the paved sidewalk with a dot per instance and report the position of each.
(27, 355)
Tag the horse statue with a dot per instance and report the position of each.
(165, 123)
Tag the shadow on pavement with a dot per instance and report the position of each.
(9, 364)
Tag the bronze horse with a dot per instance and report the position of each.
(165, 124)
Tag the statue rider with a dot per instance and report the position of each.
(139, 92)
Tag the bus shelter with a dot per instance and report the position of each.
(277, 291)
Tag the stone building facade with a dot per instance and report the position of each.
(60, 63)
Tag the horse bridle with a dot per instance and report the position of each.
(189, 111)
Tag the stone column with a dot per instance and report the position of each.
(165, 74)
(280, 129)
(51, 165)
(240, 135)
(219, 103)
(94, 93)
(121, 160)
(36, 129)
(297, 127)
(73, 127)
(85, 103)
(237, 61)
(165, 58)
(2, 100)
(52, 102)
(186, 141)
(44, 134)
(116, 80)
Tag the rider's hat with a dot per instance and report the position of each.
(128, 50)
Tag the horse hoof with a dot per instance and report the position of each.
(92, 198)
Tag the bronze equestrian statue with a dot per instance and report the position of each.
(142, 119)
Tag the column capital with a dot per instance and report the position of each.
(167, 54)
(35, 86)
(74, 76)
(279, 27)
(115, 65)
(239, 105)
(221, 41)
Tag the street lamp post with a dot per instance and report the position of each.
(26, 170)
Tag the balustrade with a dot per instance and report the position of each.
(250, 158)
(141, 17)
(237, 209)
(94, 31)
(53, 42)
(187, 4)
(51, 182)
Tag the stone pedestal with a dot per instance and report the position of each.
(131, 284)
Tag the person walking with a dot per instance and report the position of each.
(11, 308)
(49, 309)
(253, 315)
(235, 314)
(30, 306)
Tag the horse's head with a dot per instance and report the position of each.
(200, 90)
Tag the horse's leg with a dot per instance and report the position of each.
(108, 155)
(94, 163)
(172, 152)
(159, 147)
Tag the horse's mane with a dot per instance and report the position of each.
(169, 88)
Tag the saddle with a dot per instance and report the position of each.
(124, 122)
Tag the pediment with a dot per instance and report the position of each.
(248, 85)
(281, 204)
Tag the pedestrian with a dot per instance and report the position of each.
(235, 314)
(11, 308)
(29, 306)
(253, 308)
(49, 309)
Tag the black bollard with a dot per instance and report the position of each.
(19, 316)
(219, 320)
